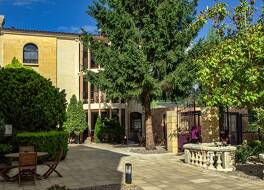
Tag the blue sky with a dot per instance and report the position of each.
(67, 15)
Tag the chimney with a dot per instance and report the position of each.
(2, 21)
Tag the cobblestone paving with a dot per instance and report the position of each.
(90, 165)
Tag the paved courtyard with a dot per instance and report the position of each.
(89, 165)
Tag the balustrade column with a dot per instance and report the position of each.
(219, 161)
(211, 160)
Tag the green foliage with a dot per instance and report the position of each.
(29, 102)
(57, 187)
(5, 148)
(98, 131)
(232, 72)
(147, 41)
(108, 131)
(2, 129)
(260, 120)
(113, 131)
(243, 153)
(257, 147)
(76, 117)
(15, 64)
(50, 142)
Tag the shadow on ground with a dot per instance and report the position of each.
(254, 170)
(83, 167)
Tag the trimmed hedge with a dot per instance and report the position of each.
(50, 141)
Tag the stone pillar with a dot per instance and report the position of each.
(172, 134)
(210, 125)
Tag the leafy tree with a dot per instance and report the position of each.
(76, 117)
(29, 102)
(232, 71)
(179, 83)
(147, 40)
(260, 120)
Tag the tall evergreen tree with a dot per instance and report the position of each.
(147, 40)
(76, 117)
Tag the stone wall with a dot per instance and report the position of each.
(68, 57)
(159, 125)
(172, 135)
(13, 45)
(210, 125)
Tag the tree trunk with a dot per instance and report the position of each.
(150, 144)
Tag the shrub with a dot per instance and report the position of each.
(113, 131)
(108, 131)
(243, 153)
(29, 102)
(4, 149)
(76, 117)
(98, 131)
(257, 147)
(50, 142)
(57, 187)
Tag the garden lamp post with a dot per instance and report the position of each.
(128, 173)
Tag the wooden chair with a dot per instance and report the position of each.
(4, 169)
(53, 165)
(26, 149)
(27, 165)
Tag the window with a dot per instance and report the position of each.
(30, 54)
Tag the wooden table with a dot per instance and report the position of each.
(16, 155)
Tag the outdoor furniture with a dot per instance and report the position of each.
(53, 165)
(27, 165)
(15, 156)
(4, 168)
(26, 149)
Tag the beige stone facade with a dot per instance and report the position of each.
(68, 57)
(13, 42)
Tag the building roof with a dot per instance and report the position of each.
(40, 32)
(49, 33)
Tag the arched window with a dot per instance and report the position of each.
(30, 54)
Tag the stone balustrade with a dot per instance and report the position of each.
(212, 156)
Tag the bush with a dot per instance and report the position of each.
(257, 147)
(57, 187)
(76, 117)
(114, 132)
(29, 102)
(50, 142)
(4, 149)
(108, 131)
(243, 153)
(98, 131)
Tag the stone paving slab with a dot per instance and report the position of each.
(90, 165)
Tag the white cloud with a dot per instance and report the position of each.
(77, 29)
(28, 2)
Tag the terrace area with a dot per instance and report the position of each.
(101, 164)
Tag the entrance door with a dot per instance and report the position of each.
(232, 127)
(135, 126)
